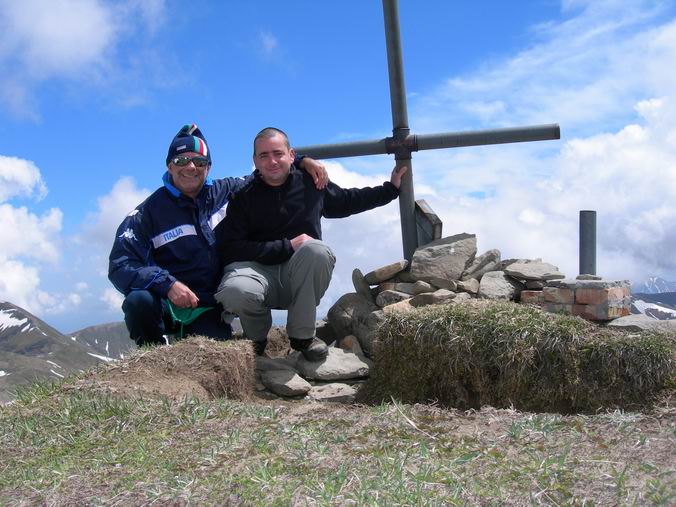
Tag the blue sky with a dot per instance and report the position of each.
(91, 93)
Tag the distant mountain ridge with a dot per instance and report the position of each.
(653, 285)
(30, 349)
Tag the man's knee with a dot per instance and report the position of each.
(316, 252)
(240, 293)
(141, 302)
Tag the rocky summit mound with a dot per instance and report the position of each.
(195, 367)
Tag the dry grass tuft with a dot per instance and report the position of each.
(197, 366)
(505, 354)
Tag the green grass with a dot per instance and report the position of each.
(60, 447)
(505, 354)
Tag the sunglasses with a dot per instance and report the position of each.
(184, 161)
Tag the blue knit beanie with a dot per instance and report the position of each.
(189, 138)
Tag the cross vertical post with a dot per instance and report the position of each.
(400, 129)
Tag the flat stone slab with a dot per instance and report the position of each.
(433, 298)
(385, 273)
(488, 261)
(643, 323)
(338, 365)
(445, 258)
(534, 271)
(337, 393)
(588, 284)
(388, 297)
(285, 383)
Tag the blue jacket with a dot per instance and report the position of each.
(170, 237)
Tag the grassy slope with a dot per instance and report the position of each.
(62, 446)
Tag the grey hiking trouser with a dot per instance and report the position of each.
(251, 290)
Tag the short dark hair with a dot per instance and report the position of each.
(269, 132)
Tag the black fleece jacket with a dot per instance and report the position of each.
(262, 219)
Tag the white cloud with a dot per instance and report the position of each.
(100, 226)
(268, 43)
(20, 178)
(606, 76)
(72, 40)
(112, 299)
(49, 38)
(28, 235)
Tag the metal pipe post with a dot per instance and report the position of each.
(395, 66)
(587, 242)
(485, 137)
(400, 130)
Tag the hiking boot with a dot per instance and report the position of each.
(313, 349)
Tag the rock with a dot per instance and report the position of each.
(385, 273)
(445, 258)
(471, 285)
(285, 383)
(337, 393)
(461, 298)
(489, 261)
(421, 287)
(442, 283)
(388, 297)
(497, 285)
(349, 311)
(406, 287)
(264, 364)
(432, 298)
(588, 277)
(351, 344)
(325, 332)
(360, 285)
(643, 323)
(400, 307)
(508, 262)
(588, 284)
(534, 271)
(403, 277)
(338, 365)
(535, 284)
(365, 329)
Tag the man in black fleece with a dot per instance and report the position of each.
(271, 243)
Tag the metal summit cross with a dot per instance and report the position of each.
(403, 143)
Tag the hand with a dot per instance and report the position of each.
(298, 241)
(317, 170)
(182, 296)
(395, 178)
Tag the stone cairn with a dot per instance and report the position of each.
(445, 271)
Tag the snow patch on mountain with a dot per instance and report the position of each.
(7, 321)
(102, 358)
(653, 310)
(3, 373)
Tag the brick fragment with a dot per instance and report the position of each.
(534, 297)
(559, 295)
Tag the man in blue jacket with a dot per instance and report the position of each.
(272, 244)
(164, 257)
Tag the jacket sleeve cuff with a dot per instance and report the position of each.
(394, 191)
(162, 288)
